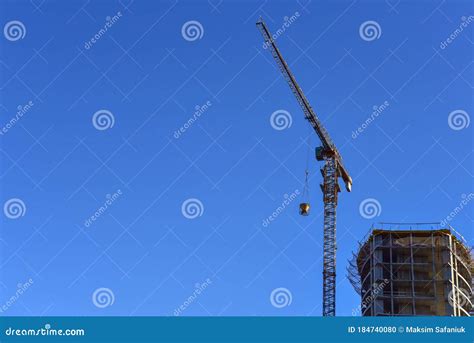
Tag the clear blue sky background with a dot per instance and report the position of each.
(142, 70)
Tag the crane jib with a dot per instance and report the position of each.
(310, 115)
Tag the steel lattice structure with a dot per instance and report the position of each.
(330, 190)
(333, 168)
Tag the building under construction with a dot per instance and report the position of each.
(411, 270)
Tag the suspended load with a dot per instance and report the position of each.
(304, 209)
(304, 206)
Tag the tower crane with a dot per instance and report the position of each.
(333, 169)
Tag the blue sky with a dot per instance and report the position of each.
(142, 251)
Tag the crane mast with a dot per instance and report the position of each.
(333, 168)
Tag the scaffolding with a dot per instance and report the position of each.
(407, 269)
